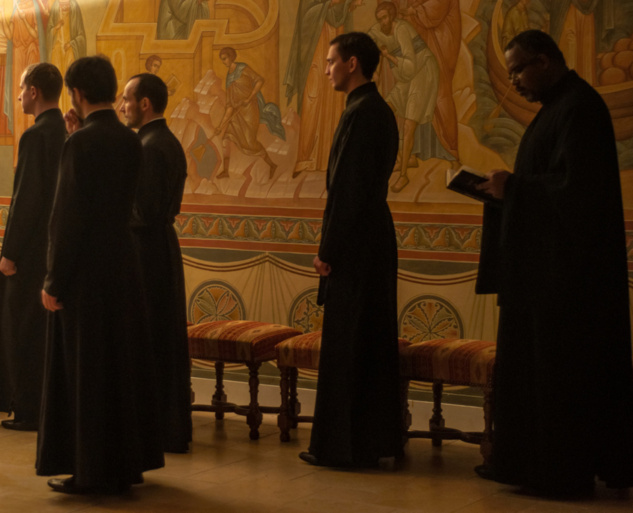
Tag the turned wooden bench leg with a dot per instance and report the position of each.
(437, 423)
(486, 442)
(254, 416)
(219, 397)
(294, 406)
(283, 419)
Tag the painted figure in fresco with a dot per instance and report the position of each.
(100, 411)
(573, 25)
(555, 253)
(153, 64)
(26, 46)
(245, 109)
(416, 74)
(65, 37)
(4, 39)
(439, 24)
(176, 17)
(515, 21)
(317, 23)
(23, 256)
(357, 417)
(157, 204)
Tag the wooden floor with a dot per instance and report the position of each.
(225, 472)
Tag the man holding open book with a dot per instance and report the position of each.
(554, 251)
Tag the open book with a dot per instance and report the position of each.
(465, 181)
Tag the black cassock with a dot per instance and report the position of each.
(22, 315)
(157, 204)
(357, 414)
(100, 416)
(556, 254)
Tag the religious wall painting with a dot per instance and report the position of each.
(215, 300)
(304, 313)
(65, 38)
(176, 17)
(429, 317)
(485, 137)
(23, 27)
(596, 38)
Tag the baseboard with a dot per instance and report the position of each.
(465, 418)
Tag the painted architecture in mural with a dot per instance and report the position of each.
(255, 114)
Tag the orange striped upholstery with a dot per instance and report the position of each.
(303, 351)
(455, 361)
(237, 341)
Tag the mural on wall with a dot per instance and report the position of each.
(255, 113)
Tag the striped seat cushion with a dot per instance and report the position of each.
(237, 341)
(303, 351)
(455, 361)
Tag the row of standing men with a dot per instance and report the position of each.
(554, 252)
(101, 370)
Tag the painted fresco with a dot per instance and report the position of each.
(251, 105)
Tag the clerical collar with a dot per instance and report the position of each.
(360, 91)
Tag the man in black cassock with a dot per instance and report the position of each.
(357, 417)
(23, 257)
(157, 204)
(555, 253)
(99, 419)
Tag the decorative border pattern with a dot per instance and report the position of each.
(429, 317)
(215, 300)
(427, 240)
(305, 314)
(433, 237)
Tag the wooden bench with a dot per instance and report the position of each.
(247, 342)
(300, 352)
(464, 362)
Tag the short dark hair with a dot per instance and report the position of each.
(153, 88)
(361, 46)
(95, 77)
(229, 52)
(537, 42)
(389, 7)
(46, 78)
(150, 60)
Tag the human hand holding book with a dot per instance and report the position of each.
(470, 182)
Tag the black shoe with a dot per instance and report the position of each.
(19, 425)
(565, 493)
(310, 458)
(488, 472)
(67, 485)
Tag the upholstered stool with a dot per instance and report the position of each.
(246, 342)
(300, 352)
(455, 362)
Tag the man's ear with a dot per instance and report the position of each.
(145, 104)
(77, 94)
(352, 63)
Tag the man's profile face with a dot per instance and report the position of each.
(154, 67)
(337, 70)
(26, 97)
(527, 73)
(386, 23)
(130, 107)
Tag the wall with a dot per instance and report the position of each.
(249, 231)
